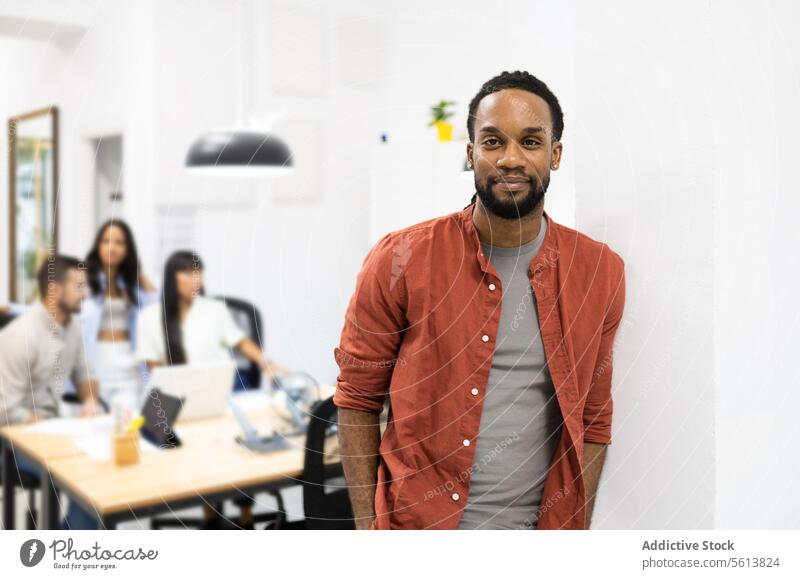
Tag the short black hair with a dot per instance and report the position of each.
(523, 81)
(54, 270)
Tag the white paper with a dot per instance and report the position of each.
(251, 401)
(98, 447)
(73, 426)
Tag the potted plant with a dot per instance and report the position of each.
(439, 116)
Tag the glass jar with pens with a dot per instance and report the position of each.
(125, 434)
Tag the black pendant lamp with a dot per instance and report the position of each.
(239, 153)
(243, 151)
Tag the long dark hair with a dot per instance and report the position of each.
(128, 269)
(180, 261)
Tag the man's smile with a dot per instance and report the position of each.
(513, 183)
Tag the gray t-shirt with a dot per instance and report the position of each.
(520, 420)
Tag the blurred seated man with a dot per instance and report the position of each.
(39, 351)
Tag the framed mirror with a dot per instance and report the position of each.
(33, 194)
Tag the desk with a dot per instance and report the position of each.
(42, 450)
(209, 466)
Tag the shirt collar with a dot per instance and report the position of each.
(546, 257)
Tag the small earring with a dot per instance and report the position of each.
(469, 165)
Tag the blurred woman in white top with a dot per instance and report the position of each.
(187, 327)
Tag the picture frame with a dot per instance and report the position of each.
(33, 198)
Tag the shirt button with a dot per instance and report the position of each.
(466, 442)
(474, 391)
(485, 338)
(492, 287)
(455, 496)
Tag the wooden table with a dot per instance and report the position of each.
(210, 466)
(42, 450)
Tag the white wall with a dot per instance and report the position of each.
(686, 159)
(756, 256)
(644, 184)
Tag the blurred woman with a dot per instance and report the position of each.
(190, 328)
(118, 291)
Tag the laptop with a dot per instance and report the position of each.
(204, 387)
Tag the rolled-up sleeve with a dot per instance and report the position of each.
(373, 328)
(599, 405)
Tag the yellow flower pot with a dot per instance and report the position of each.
(445, 130)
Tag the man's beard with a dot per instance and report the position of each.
(510, 208)
(67, 310)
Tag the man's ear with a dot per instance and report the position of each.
(555, 156)
(55, 291)
(470, 162)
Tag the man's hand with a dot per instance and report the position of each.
(594, 455)
(88, 394)
(91, 407)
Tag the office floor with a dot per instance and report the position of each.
(292, 497)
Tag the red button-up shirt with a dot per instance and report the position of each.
(421, 328)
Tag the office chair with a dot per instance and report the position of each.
(323, 508)
(5, 319)
(248, 318)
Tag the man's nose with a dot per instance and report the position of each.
(512, 157)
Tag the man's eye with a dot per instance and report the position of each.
(491, 142)
(531, 142)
